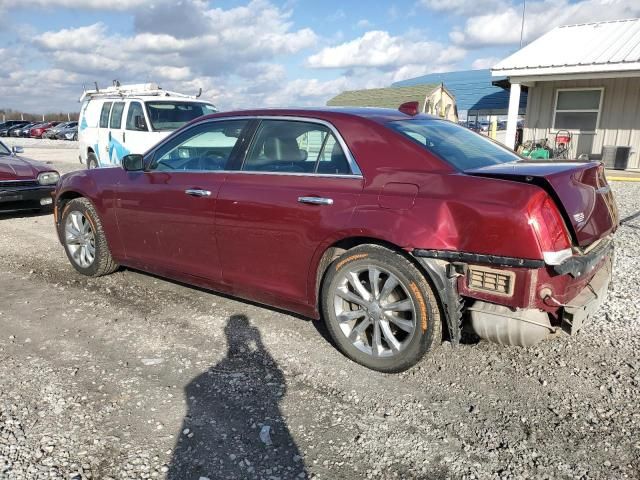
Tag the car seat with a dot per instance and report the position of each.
(338, 163)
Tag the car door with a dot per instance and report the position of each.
(102, 150)
(116, 137)
(136, 132)
(166, 213)
(297, 186)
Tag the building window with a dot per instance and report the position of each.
(577, 109)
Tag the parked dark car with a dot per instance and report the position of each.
(5, 131)
(389, 225)
(24, 131)
(24, 184)
(69, 133)
(52, 133)
(38, 130)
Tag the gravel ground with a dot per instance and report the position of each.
(131, 376)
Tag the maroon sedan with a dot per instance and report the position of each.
(393, 227)
(41, 128)
(24, 184)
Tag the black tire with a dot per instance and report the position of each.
(425, 316)
(103, 263)
(92, 161)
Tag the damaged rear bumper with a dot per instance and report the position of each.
(587, 302)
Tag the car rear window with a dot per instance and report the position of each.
(454, 144)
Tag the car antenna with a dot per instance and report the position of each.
(96, 84)
(199, 93)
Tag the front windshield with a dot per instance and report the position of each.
(4, 150)
(454, 144)
(172, 115)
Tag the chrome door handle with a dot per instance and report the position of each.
(195, 192)
(316, 200)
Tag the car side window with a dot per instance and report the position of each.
(206, 147)
(116, 115)
(290, 146)
(104, 115)
(135, 110)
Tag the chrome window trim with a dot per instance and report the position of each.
(353, 165)
(244, 172)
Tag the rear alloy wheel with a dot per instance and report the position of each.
(84, 239)
(379, 309)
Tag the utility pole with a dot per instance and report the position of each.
(524, 7)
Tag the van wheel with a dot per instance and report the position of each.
(379, 309)
(92, 161)
(84, 240)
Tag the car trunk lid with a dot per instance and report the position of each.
(580, 190)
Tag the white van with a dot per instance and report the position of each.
(120, 120)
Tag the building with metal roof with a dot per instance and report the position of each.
(476, 91)
(582, 80)
(432, 98)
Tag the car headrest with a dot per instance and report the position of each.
(283, 150)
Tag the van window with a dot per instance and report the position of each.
(104, 115)
(135, 110)
(173, 115)
(116, 115)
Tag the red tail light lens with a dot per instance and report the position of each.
(409, 108)
(550, 229)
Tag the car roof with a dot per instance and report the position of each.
(379, 115)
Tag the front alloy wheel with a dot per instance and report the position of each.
(80, 239)
(380, 309)
(84, 239)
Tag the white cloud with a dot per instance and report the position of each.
(381, 50)
(86, 4)
(502, 27)
(485, 62)
(83, 39)
(462, 7)
(364, 23)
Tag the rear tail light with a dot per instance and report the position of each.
(550, 229)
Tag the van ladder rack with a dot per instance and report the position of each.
(134, 90)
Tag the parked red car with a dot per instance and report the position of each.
(38, 130)
(24, 184)
(388, 225)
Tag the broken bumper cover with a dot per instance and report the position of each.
(579, 265)
(587, 302)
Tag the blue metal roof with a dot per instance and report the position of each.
(473, 90)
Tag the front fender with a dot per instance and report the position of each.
(100, 191)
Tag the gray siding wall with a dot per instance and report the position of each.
(619, 117)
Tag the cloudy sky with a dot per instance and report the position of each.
(260, 52)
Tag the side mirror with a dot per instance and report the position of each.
(140, 123)
(133, 162)
(17, 150)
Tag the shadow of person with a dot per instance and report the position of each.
(229, 406)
